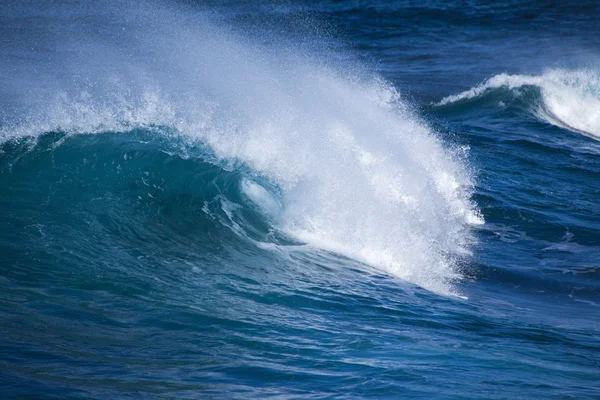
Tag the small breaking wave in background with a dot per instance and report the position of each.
(568, 99)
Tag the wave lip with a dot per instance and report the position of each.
(569, 99)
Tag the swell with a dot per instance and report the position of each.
(569, 99)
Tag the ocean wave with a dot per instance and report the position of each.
(346, 166)
(569, 99)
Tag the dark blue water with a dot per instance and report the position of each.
(298, 200)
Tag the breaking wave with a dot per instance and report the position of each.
(569, 99)
(332, 155)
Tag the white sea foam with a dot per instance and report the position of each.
(262, 198)
(570, 98)
(359, 174)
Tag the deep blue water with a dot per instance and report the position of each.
(300, 200)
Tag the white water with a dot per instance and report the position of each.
(570, 98)
(359, 173)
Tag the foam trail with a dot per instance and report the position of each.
(570, 99)
(358, 173)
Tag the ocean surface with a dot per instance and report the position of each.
(299, 200)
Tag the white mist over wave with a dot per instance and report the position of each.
(570, 98)
(359, 173)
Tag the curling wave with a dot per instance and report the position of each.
(346, 165)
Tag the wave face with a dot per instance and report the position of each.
(355, 171)
(569, 99)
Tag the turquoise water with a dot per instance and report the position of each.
(297, 200)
